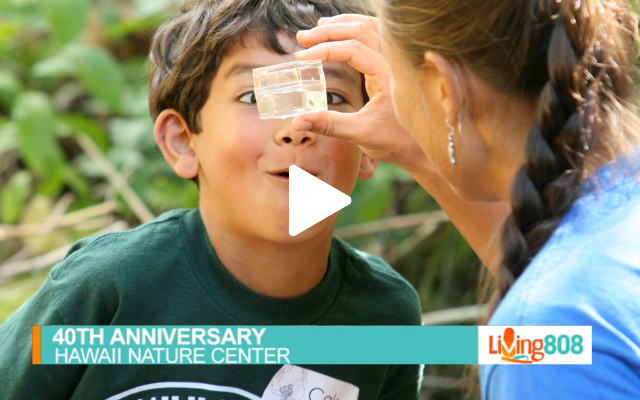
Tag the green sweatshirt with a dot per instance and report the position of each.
(166, 272)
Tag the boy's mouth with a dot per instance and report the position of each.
(284, 173)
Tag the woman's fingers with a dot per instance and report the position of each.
(362, 58)
(372, 22)
(357, 30)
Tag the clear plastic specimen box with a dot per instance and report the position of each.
(290, 89)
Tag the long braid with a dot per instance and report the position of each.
(583, 77)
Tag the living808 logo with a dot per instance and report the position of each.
(534, 345)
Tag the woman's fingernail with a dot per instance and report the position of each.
(299, 53)
(303, 33)
(322, 20)
(304, 126)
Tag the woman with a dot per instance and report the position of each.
(522, 108)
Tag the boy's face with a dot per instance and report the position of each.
(242, 159)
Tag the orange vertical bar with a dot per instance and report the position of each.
(35, 344)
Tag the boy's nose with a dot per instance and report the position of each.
(287, 135)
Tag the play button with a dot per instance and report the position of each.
(311, 200)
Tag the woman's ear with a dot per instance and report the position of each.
(444, 83)
(177, 143)
(367, 166)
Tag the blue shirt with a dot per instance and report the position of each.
(588, 273)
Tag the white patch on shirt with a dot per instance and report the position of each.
(185, 385)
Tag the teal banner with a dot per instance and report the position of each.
(256, 345)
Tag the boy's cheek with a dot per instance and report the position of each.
(343, 153)
(238, 145)
(345, 163)
(248, 145)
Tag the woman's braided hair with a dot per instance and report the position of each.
(589, 59)
(574, 58)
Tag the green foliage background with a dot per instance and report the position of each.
(72, 67)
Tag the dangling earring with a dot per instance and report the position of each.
(452, 131)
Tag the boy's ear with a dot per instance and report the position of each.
(177, 143)
(367, 166)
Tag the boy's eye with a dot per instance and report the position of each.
(249, 98)
(333, 99)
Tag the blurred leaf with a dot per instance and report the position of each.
(122, 29)
(8, 29)
(136, 102)
(135, 70)
(127, 158)
(87, 166)
(370, 199)
(146, 7)
(9, 87)
(98, 71)
(53, 184)
(8, 135)
(21, 3)
(66, 17)
(75, 181)
(162, 189)
(376, 196)
(108, 14)
(128, 136)
(14, 196)
(128, 132)
(36, 141)
(419, 200)
(78, 123)
(375, 201)
(57, 66)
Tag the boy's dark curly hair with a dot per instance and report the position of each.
(186, 51)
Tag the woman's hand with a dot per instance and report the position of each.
(375, 128)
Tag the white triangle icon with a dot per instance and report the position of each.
(311, 200)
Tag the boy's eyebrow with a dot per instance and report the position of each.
(338, 73)
(240, 68)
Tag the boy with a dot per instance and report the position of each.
(232, 261)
